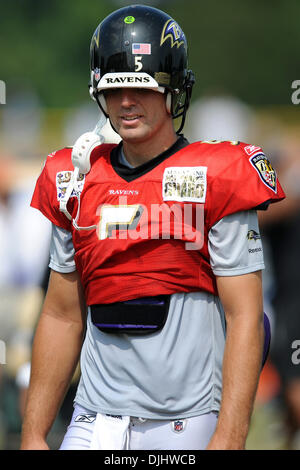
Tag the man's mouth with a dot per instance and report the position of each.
(131, 118)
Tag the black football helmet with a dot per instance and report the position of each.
(141, 46)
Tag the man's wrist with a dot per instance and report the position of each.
(221, 441)
(229, 436)
(34, 443)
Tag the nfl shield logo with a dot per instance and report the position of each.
(97, 74)
(178, 425)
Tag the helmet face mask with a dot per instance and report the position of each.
(141, 46)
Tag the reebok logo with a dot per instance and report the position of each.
(85, 418)
(254, 250)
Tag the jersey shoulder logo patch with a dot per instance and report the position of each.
(265, 170)
(63, 179)
(253, 235)
(185, 184)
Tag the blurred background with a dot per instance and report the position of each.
(245, 56)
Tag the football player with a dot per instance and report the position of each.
(155, 273)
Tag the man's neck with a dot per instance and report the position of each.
(138, 153)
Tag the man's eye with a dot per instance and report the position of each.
(111, 92)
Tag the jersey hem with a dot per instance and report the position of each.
(145, 414)
(238, 271)
(62, 269)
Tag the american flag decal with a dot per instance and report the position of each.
(141, 48)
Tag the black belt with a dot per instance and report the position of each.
(139, 316)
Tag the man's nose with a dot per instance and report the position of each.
(128, 97)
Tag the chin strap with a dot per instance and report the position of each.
(81, 153)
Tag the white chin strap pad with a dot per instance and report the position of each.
(82, 150)
(169, 102)
(102, 101)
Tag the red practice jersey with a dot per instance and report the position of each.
(151, 224)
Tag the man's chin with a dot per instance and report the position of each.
(132, 136)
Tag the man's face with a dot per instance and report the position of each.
(138, 115)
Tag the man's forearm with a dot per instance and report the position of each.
(55, 355)
(241, 368)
